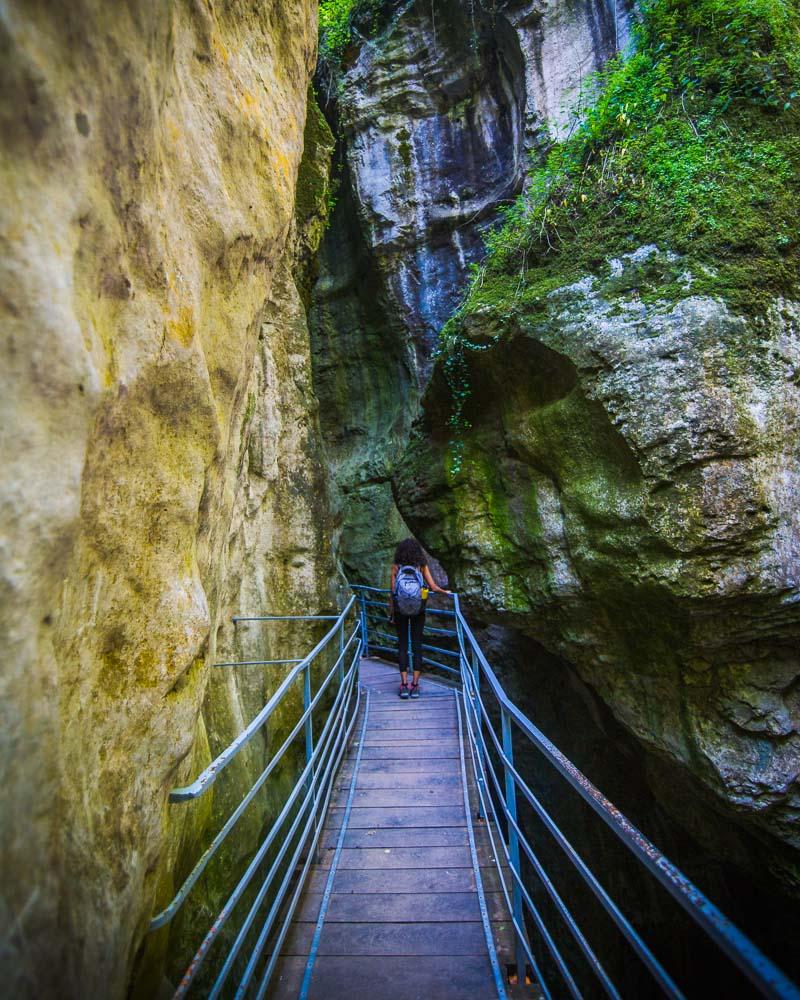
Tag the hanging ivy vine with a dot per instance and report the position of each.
(452, 352)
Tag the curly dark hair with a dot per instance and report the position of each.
(410, 553)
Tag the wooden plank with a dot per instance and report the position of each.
(405, 857)
(380, 816)
(393, 766)
(429, 836)
(410, 735)
(398, 907)
(410, 708)
(407, 707)
(415, 744)
(400, 880)
(405, 777)
(416, 733)
(423, 794)
(381, 939)
(459, 977)
(392, 907)
(395, 751)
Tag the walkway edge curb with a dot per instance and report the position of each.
(326, 895)
(487, 927)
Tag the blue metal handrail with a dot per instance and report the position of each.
(306, 804)
(497, 800)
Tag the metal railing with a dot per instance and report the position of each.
(491, 721)
(499, 794)
(250, 953)
(374, 608)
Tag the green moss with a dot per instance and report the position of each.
(313, 179)
(404, 147)
(314, 195)
(338, 21)
(693, 145)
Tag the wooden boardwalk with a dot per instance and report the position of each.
(400, 917)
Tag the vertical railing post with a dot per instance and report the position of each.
(364, 629)
(340, 670)
(476, 680)
(309, 726)
(476, 669)
(309, 735)
(513, 843)
(470, 702)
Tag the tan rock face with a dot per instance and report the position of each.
(151, 155)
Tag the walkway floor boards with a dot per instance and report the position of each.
(403, 920)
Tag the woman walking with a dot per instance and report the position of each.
(411, 581)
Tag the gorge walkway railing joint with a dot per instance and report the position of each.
(491, 721)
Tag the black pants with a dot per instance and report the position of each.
(415, 626)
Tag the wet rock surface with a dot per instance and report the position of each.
(721, 858)
(438, 111)
(627, 497)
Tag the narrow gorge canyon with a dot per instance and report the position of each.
(283, 285)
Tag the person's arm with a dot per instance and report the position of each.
(391, 593)
(431, 582)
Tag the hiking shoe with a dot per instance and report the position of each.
(414, 690)
(404, 691)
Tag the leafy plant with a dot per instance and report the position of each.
(339, 21)
(692, 143)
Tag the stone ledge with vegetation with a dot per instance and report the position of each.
(608, 451)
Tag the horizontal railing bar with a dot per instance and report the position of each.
(276, 950)
(244, 881)
(166, 915)
(285, 618)
(384, 649)
(432, 630)
(243, 931)
(561, 907)
(429, 629)
(428, 611)
(257, 663)
(438, 649)
(263, 937)
(561, 965)
(269, 876)
(393, 649)
(623, 924)
(204, 781)
(746, 956)
(383, 604)
(441, 666)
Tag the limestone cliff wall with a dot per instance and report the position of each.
(629, 486)
(160, 438)
(628, 497)
(438, 110)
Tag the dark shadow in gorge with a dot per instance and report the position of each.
(363, 378)
(423, 170)
(550, 692)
